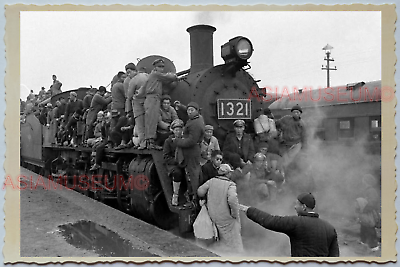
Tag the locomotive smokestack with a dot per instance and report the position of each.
(201, 47)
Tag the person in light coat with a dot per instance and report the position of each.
(222, 204)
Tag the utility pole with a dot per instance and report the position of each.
(328, 49)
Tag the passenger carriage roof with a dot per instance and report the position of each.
(345, 94)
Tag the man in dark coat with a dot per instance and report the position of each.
(238, 146)
(293, 137)
(210, 169)
(99, 102)
(73, 105)
(193, 134)
(309, 235)
(171, 163)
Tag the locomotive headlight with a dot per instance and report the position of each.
(238, 49)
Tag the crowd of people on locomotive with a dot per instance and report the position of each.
(126, 118)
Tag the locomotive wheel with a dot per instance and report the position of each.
(123, 203)
(159, 209)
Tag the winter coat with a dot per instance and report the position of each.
(293, 131)
(309, 236)
(223, 204)
(209, 148)
(233, 151)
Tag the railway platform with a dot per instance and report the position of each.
(58, 222)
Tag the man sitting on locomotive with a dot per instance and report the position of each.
(175, 170)
(124, 129)
(265, 128)
(167, 116)
(99, 102)
(256, 178)
(73, 105)
(97, 129)
(208, 145)
(98, 148)
(188, 150)
(293, 134)
(153, 93)
(238, 146)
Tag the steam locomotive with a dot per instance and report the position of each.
(137, 179)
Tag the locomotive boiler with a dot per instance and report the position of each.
(137, 179)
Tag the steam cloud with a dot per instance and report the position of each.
(333, 173)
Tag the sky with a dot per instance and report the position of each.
(89, 48)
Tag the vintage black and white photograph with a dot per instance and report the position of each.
(201, 134)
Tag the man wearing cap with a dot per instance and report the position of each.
(154, 91)
(222, 205)
(293, 136)
(99, 102)
(193, 134)
(309, 235)
(137, 95)
(167, 116)
(208, 145)
(238, 146)
(171, 162)
(73, 105)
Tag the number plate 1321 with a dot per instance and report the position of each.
(234, 109)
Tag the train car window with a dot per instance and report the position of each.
(375, 123)
(346, 128)
(375, 128)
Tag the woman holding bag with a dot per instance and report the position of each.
(222, 204)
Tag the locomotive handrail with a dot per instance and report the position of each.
(183, 72)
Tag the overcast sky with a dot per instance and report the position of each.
(89, 48)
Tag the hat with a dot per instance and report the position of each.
(49, 105)
(307, 199)
(73, 93)
(238, 123)
(163, 97)
(130, 66)
(158, 61)
(100, 113)
(194, 105)
(114, 113)
(267, 111)
(224, 169)
(43, 87)
(176, 123)
(208, 127)
(102, 89)
(297, 107)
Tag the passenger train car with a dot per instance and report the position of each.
(339, 115)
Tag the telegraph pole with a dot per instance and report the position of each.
(328, 49)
